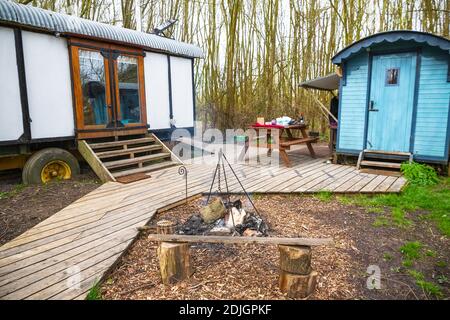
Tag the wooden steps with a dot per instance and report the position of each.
(129, 156)
(138, 160)
(134, 151)
(381, 164)
(120, 143)
(149, 168)
(386, 160)
(391, 153)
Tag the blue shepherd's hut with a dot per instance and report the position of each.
(394, 97)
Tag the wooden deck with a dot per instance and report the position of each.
(63, 256)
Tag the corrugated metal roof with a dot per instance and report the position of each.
(65, 24)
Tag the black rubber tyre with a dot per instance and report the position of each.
(33, 170)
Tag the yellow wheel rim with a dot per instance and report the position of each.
(55, 170)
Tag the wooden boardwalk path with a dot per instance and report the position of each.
(63, 256)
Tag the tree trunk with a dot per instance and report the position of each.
(297, 286)
(295, 259)
(174, 262)
(165, 227)
(174, 258)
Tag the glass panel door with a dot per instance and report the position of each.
(128, 89)
(109, 90)
(94, 86)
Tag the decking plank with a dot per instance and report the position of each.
(59, 281)
(301, 173)
(23, 269)
(338, 182)
(319, 179)
(80, 225)
(397, 185)
(38, 276)
(322, 186)
(88, 231)
(16, 253)
(310, 176)
(367, 178)
(273, 186)
(357, 177)
(382, 187)
(89, 277)
(370, 187)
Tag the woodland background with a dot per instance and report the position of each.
(258, 51)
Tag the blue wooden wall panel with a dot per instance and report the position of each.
(433, 105)
(433, 102)
(353, 104)
(389, 128)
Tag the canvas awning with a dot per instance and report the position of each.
(328, 83)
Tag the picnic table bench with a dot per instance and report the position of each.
(285, 143)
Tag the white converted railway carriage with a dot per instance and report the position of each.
(71, 87)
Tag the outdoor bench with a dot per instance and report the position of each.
(297, 279)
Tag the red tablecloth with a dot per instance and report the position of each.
(270, 126)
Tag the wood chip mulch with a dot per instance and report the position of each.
(251, 271)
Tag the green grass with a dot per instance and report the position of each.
(441, 264)
(407, 263)
(411, 251)
(419, 174)
(17, 189)
(399, 218)
(381, 221)
(375, 210)
(346, 200)
(324, 196)
(431, 253)
(434, 200)
(429, 287)
(95, 293)
(387, 256)
(441, 279)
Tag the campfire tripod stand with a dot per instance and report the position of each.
(220, 167)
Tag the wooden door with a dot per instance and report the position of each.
(391, 102)
(109, 90)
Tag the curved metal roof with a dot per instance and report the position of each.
(14, 13)
(390, 37)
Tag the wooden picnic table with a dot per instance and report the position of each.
(285, 143)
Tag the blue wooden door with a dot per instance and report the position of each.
(391, 102)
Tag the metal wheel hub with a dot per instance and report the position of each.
(56, 169)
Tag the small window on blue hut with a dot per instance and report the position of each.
(392, 76)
